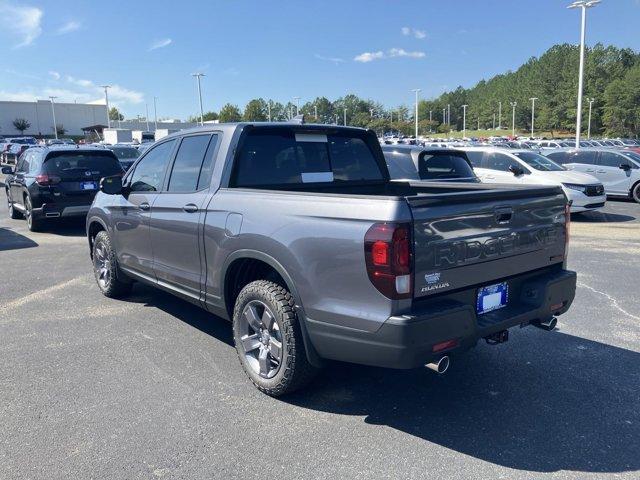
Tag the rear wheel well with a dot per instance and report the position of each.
(633, 187)
(244, 271)
(94, 229)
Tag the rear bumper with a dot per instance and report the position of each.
(407, 341)
(52, 210)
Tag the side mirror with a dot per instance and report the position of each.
(625, 166)
(7, 170)
(111, 185)
(517, 171)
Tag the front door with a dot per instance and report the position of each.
(178, 215)
(131, 216)
(615, 180)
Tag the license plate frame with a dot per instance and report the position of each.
(492, 297)
(88, 186)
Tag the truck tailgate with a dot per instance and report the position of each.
(475, 237)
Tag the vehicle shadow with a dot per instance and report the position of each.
(600, 217)
(73, 227)
(181, 309)
(554, 402)
(10, 240)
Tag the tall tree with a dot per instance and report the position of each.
(114, 114)
(21, 124)
(230, 113)
(255, 111)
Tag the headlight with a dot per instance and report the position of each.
(573, 186)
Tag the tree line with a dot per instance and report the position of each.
(612, 80)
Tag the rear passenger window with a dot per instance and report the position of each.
(587, 157)
(188, 164)
(610, 159)
(149, 171)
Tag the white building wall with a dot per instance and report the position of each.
(73, 116)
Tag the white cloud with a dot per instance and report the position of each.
(55, 75)
(17, 96)
(70, 26)
(419, 34)
(21, 22)
(80, 82)
(160, 43)
(391, 53)
(335, 60)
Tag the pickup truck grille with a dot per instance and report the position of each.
(594, 190)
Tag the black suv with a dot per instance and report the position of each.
(56, 182)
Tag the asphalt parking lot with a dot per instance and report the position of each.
(151, 386)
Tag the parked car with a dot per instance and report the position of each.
(296, 234)
(56, 182)
(126, 154)
(417, 163)
(13, 147)
(617, 169)
(553, 144)
(526, 167)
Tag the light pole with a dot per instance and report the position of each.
(448, 113)
(269, 110)
(371, 113)
(416, 91)
(464, 121)
(344, 113)
(533, 113)
(444, 116)
(583, 4)
(430, 121)
(198, 77)
(513, 118)
(315, 112)
(499, 115)
(155, 114)
(297, 99)
(146, 105)
(494, 121)
(106, 101)
(591, 100)
(53, 113)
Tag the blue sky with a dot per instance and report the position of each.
(378, 49)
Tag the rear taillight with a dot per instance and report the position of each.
(387, 253)
(47, 180)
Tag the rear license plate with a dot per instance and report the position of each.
(492, 297)
(88, 185)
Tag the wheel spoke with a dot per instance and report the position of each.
(275, 348)
(263, 361)
(251, 314)
(267, 319)
(250, 342)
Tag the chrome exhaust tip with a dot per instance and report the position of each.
(441, 366)
(547, 325)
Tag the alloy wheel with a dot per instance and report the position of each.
(261, 339)
(102, 266)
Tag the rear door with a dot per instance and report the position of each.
(481, 237)
(177, 215)
(614, 179)
(17, 182)
(131, 217)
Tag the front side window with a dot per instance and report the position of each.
(188, 164)
(149, 172)
(500, 161)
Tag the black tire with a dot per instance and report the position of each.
(34, 224)
(13, 213)
(111, 281)
(635, 193)
(294, 370)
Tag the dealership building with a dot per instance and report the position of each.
(72, 116)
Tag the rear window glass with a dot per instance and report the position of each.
(280, 157)
(442, 166)
(68, 165)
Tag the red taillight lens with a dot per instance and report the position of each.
(47, 180)
(387, 253)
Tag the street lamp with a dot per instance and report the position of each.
(591, 100)
(146, 106)
(448, 113)
(582, 4)
(533, 112)
(315, 112)
(297, 99)
(53, 113)
(344, 113)
(416, 91)
(106, 101)
(464, 121)
(513, 118)
(198, 77)
(155, 114)
(269, 110)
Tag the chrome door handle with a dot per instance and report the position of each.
(144, 206)
(190, 208)
(589, 170)
(601, 171)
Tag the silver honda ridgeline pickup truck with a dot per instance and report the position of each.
(296, 234)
